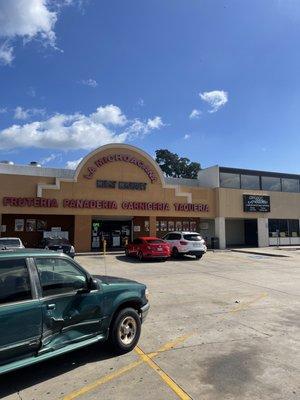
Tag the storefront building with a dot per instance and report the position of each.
(118, 192)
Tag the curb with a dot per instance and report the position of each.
(259, 253)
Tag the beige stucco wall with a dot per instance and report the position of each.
(24, 186)
(283, 205)
(82, 188)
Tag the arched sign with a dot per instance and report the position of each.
(118, 157)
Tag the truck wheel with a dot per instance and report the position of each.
(125, 331)
(199, 256)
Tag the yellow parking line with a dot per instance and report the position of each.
(108, 377)
(101, 381)
(164, 376)
(147, 358)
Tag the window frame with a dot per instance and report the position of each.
(67, 293)
(236, 174)
(244, 187)
(32, 282)
(289, 179)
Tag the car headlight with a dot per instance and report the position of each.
(147, 293)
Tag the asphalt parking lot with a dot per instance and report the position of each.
(224, 327)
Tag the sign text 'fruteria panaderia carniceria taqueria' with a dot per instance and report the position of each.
(102, 204)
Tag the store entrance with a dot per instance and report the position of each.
(250, 226)
(241, 232)
(115, 232)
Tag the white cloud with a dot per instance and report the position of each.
(78, 131)
(21, 113)
(6, 54)
(73, 164)
(31, 91)
(186, 136)
(195, 114)
(109, 114)
(216, 99)
(28, 20)
(140, 102)
(155, 123)
(90, 82)
(51, 157)
(3, 110)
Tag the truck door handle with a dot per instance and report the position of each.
(50, 306)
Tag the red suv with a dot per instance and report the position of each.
(148, 247)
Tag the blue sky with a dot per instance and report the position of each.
(77, 74)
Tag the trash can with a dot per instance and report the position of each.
(214, 242)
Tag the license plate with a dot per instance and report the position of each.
(159, 249)
(196, 244)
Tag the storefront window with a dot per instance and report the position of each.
(186, 225)
(283, 227)
(250, 182)
(157, 226)
(171, 226)
(163, 226)
(147, 225)
(290, 185)
(228, 180)
(293, 227)
(193, 226)
(178, 226)
(270, 183)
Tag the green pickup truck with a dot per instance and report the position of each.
(50, 305)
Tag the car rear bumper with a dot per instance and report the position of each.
(156, 255)
(144, 311)
(194, 252)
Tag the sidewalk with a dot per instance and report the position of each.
(282, 251)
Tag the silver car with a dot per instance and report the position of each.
(190, 243)
(10, 243)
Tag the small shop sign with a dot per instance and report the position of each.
(256, 203)
(104, 184)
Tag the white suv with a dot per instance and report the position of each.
(10, 243)
(186, 243)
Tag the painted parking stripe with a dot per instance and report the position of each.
(163, 375)
(121, 371)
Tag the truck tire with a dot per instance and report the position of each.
(125, 330)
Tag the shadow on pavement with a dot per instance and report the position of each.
(133, 260)
(23, 378)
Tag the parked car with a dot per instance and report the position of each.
(10, 243)
(148, 247)
(59, 244)
(50, 305)
(182, 243)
